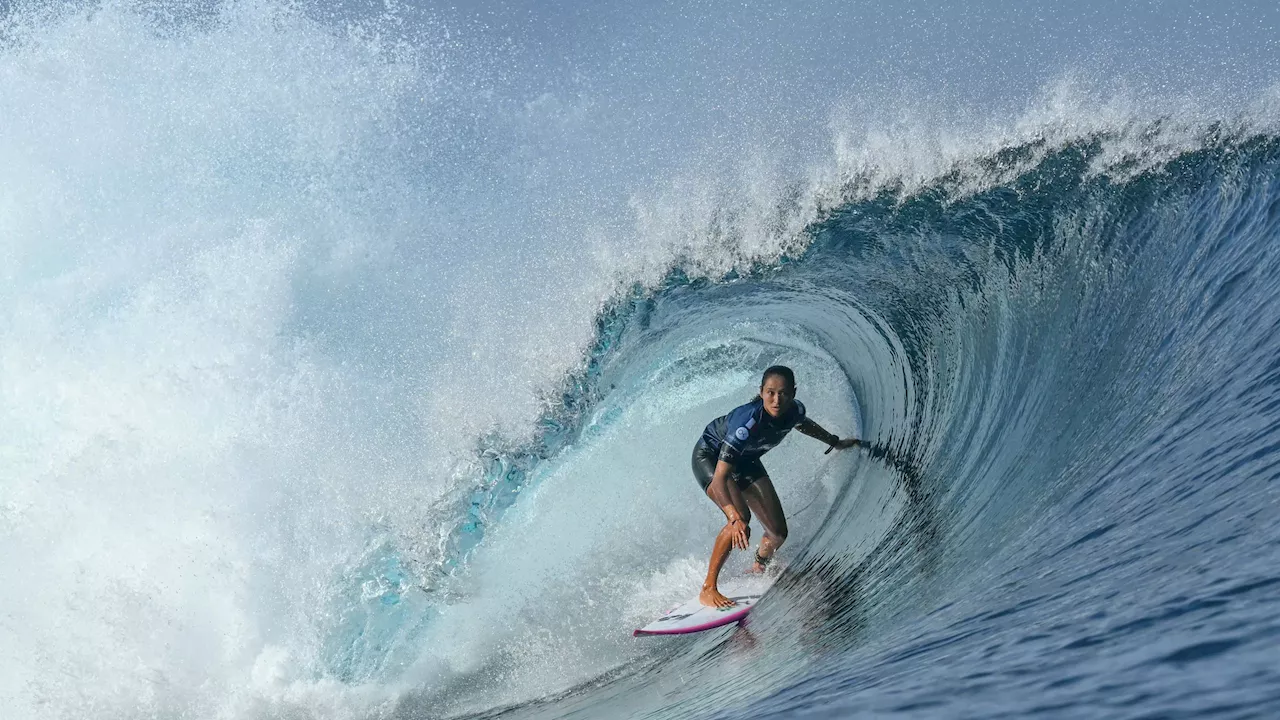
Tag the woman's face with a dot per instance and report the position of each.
(777, 395)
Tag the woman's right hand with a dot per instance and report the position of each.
(739, 533)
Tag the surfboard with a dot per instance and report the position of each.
(692, 616)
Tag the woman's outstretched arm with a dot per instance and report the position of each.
(814, 430)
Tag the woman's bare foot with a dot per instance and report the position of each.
(712, 597)
(755, 569)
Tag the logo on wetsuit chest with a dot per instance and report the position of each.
(741, 433)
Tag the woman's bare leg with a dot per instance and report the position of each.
(711, 594)
(762, 498)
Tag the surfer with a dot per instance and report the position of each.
(726, 463)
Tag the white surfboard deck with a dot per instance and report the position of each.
(692, 616)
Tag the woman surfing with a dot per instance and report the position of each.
(726, 463)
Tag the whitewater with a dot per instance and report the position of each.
(351, 356)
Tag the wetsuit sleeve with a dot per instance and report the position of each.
(800, 413)
(737, 432)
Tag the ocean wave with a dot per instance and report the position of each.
(346, 369)
(1029, 360)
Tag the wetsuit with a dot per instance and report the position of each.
(740, 438)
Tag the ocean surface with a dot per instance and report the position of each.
(351, 357)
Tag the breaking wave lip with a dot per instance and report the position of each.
(868, 167)
(1118, 147)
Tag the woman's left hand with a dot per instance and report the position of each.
(842, 444)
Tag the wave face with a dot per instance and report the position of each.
(346, 370)
(1070, 507)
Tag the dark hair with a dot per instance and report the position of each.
(781, 371)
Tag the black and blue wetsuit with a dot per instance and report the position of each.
(740, 438)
